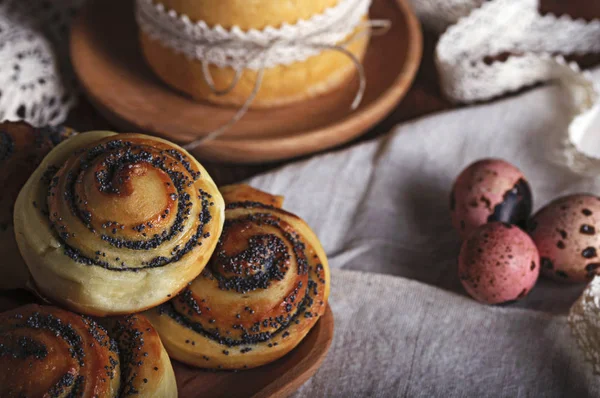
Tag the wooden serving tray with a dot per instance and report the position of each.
(278, 379)
(115, 77)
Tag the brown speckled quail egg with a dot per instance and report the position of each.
(486, 191)
(498, 263)
(567, 234)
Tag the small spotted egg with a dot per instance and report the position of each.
(567, 234)
(486, 191)
(498, 263)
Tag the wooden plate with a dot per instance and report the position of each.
(278, 379)
(113, 73)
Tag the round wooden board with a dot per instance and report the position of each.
(278, 379)
(114, 75)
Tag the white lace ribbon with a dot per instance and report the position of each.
(501, 27)
(241, 49)
(501, 46)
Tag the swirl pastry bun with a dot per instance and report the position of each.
(49, 352)
(281, 84)
(146, 369)
(115, 224)
(22, 148)
(265, 287)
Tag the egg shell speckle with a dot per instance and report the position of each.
(486, 191)
(566, 232)
(498, 263)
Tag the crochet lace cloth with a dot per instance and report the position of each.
(36, 83)
(584, 319)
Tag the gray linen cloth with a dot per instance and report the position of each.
(403, 324)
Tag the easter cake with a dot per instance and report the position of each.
(218, 50)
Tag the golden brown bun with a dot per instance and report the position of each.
(50, 352)
(22, 148)
(115, 224)
(146, 369)
(265, 287)
(282, 84)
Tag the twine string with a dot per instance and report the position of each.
(375, 27)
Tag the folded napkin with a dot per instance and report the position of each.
(403, 325)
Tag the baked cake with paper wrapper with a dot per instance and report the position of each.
(289, 43)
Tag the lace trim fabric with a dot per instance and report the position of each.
(505, 45)
(507, 27)
(252, 49)
(34, 85)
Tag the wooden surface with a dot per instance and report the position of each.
(122, 87)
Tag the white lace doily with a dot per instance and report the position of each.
(252, 49)
(34, 85)
(584, 319)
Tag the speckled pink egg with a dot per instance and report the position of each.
(498, 263)
(486, 191)
(567, 234)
